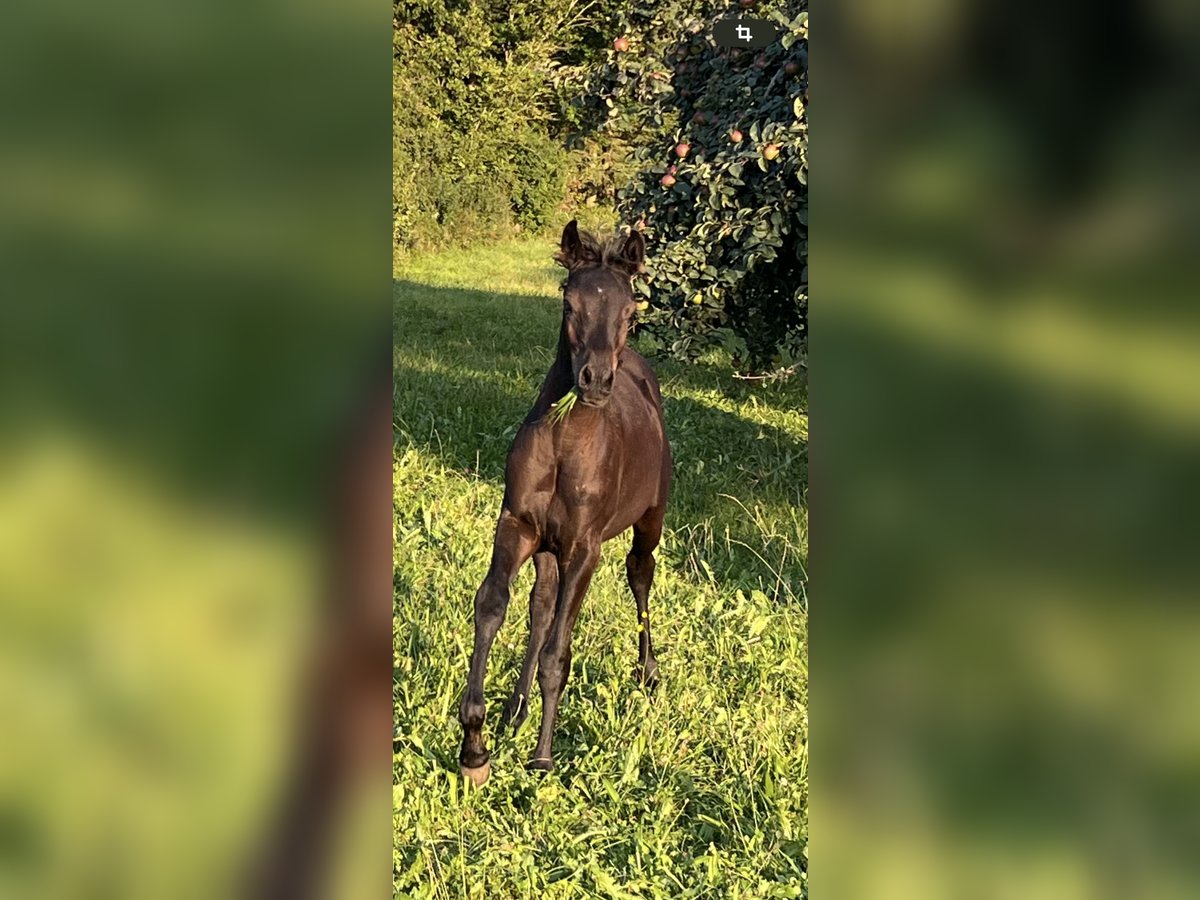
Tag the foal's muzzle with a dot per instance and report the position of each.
(595, 384)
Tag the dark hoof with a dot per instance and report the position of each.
(516, 711)
(647, 675)
(540, 765)
(477, 775)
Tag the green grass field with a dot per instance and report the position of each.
(699, 790)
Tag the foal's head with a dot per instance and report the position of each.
(598, 305)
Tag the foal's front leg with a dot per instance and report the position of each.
(541, 616)
(576, 566)
(513, 544)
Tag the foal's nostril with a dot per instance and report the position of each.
(595, 382)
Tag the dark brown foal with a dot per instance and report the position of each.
(572, 484)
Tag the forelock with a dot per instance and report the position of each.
(605, 248)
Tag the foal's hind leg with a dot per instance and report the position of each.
(639, 568)
(541, 614)
(513, 545)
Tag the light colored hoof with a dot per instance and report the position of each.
(478, 775)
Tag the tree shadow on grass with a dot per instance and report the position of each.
(497, 334)
(467, 368)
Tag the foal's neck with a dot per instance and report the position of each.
(561, 373)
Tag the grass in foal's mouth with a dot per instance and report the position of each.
(560, 408)
(697, 790)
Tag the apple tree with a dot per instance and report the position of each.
(721, 191)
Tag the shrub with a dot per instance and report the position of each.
(537, 179)
(480, 115)
(471, 154)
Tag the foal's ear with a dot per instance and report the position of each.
(633, 254)
(570, 249)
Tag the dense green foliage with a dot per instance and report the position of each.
(519, 116)
(697, 791)
(471, 153)
(480, 112)
(722, 192)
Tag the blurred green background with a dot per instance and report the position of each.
(1005, 458)
(194, 247)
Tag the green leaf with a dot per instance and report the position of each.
(630, 772)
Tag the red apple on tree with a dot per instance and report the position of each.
(682, 150)
(791, 67)
(760, 62)
(735, 136)
(746, 4)
(671, 170)
(621, 44)
(667, 180)
(770, 151)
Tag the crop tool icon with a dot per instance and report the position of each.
(743, 33)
